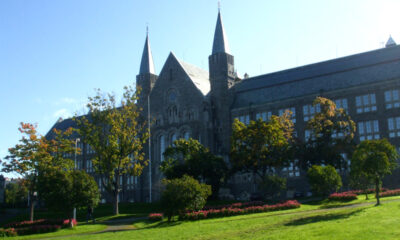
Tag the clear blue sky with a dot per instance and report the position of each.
(54, 53)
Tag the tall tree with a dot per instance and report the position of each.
(65, 190)
(117, 134)
(332, 133)
(34, 153)
(262, 147)
(374, 159)
(190, 157)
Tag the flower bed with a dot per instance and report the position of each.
(344, 196)
(388, 193)
(235, 205)
(37, 226)
(155, 216)
(232, 211)
(9, 232)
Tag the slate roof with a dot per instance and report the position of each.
(147, 64)
(364, 68)
(220, 43)
(62, 124)
(198, 76)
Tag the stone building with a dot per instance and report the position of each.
(186, 101)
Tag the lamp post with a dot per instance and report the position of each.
(76, 147)
(148, 120)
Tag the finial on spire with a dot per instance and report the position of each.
(219, 6)
(147, 29)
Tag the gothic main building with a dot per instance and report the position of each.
(186, 101)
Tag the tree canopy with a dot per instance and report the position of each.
(331, 135)
(117, 133)
(374, 159)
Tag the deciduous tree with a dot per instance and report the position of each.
(324, 180)
(374, 159)
(190, 157)
(117, 134)
(332, 133)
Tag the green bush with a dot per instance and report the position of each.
(272, 185)
(324, 180)
(183, 194)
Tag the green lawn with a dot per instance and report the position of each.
(368, 222)
(314, 220)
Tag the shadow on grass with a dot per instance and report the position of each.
(322, 218)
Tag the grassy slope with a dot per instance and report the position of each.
(249, 226)
(368, 222)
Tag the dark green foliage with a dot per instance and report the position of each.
(373, 159)
(332, 133)
(261, 146)
(271, 185)
(191, 158)
(323, 180)
(63, 191)
(16, 194)
(183, 194)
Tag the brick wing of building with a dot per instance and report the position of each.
(189, 102)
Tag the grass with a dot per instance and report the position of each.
(314, 220)
(367, 222)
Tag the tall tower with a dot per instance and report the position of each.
(146, 77)
(222, 77)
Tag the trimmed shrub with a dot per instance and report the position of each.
(346, 196)
(232, 211)
(37, 229)
(155, 217)
(9, 232)
(323, 179)
(388, 193)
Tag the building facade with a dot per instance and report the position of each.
(188, 102)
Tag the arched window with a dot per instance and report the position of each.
(186, 135)
(173, 138)
(162, 147)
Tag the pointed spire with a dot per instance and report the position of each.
(220, 41)
(147, 64)
(390, 42)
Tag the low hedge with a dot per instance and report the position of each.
(232, 211)
(389, 193)
(155, 217)
(345, 196)
(33, 227)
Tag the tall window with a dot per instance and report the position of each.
(368, 130)
(366, 103)
(392, 99)
(309, 111)
(162, 147)
(265, 116)
(292, 110)
(245, 119)
(186, 135)
(173, 138)
(394, 127)
(341, 103)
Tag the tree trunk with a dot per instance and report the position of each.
(366, 195)
(377, 190)
(116, 210)
(31, 209)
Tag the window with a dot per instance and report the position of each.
(265, 116)
(89, 166)
(308, 135)
(244, 119)
(368, 130)
(366, 103)
(292, 170)
(173, 138)
(186, 135)
(309, 111)
(341, 103)
(162, 147)
(293, 113)
(392, 99)
(394, 127)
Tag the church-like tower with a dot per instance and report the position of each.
(222, 78)
(147, 76)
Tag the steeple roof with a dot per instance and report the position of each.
(390, 42)
(147, 64)
(220, 40)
